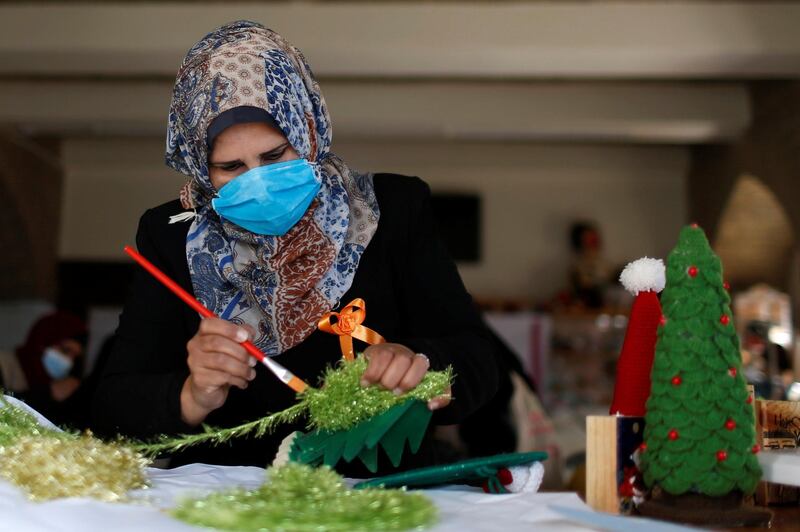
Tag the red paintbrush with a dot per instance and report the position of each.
(286, 376)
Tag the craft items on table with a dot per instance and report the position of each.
(502, 473)
(644, 278)
(47, 463)
(301, 498)
(699, 450)
(613, 482)
(778, 435)
(698, 455)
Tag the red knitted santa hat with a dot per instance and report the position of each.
(644, 278)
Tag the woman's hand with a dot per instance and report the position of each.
(216, 361)
(61, 389)
(397, 368)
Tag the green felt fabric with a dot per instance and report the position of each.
(475, 469)
(402, 426)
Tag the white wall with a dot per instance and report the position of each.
(531, 193)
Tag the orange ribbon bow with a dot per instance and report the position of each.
(347, 324)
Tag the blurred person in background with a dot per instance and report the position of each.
(46, 370)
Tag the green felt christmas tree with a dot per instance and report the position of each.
(699, 435)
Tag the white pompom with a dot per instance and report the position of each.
(644, 275)
(526, 479)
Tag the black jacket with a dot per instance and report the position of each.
(413, 294)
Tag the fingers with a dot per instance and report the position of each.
(414, 375)
(224, 328)
(209, 380)
(379, 359)
(216, 358)
(394, 367)
(214, 343)
(442, 401)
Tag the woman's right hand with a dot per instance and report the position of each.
(216, 361)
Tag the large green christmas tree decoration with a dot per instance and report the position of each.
(699, 433)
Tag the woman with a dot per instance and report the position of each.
(51, 360)
(281, 231)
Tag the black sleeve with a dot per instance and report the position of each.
(443, 322)
(139, 391)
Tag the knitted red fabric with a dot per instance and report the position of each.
(636, 360)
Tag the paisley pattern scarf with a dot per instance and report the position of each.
(280, 286)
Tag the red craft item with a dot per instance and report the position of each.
(676, 380)
(725, 319)
(732, 371)
(722, 456)
(756, 449)
(726, 285)
(692, 271)
(635, 363)
(673, 435)
(730, 424)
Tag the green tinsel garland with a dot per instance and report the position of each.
(343, 403)
(15, 423)
(300, 498)
(340, 403)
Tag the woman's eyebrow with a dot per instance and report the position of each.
(224, 163)
(262, 154)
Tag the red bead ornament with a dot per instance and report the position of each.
(662, 321)
(725, 319)
(505, 477)
(672, 435)
(732, 371)
(692, 271)
(730, 424)
(726, 285)
(722, 456)
(676, 380)
(642, 447)
(756, 449)
(749, 400)
(694, 225)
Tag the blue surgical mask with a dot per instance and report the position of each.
(270, 199)
(56, 363)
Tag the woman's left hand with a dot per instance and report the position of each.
(397, 368)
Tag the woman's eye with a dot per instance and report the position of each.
(274, 156)
(231, 167)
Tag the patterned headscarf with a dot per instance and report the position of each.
(281, 285)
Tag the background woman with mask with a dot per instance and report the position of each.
(272, 231)
(48, 367)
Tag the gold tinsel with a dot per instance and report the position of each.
(49, 467)
(48, 464)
